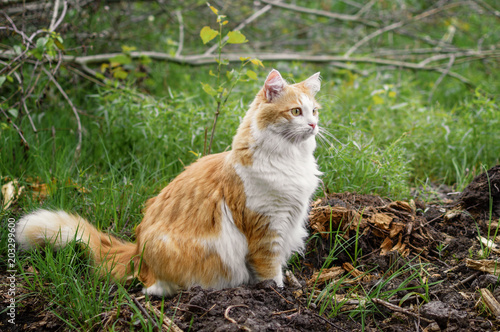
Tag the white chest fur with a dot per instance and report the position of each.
(279, 185)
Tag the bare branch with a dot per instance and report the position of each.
(79, 124)
(440, 79)
(19, 131)
(61, 18)
(337, 16)
(54, 15)
(399, 24)
(181, 32)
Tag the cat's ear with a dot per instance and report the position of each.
(274, 85)
(313, 83)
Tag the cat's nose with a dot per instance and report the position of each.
(313, 125)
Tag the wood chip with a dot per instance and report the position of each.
(484, 265)
(349, 268)
(490, 244)
(386, 246)
(490, 301)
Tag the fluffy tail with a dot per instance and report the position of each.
(59, 228)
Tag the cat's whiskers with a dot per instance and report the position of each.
(323, 137)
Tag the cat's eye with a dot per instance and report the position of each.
(296, 111)
(315, 111)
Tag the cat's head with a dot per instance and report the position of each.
(288, 110)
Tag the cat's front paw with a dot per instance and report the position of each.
(279, 280)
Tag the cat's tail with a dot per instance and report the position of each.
(59, 228)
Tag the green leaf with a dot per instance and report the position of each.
(14, 112)
(100, 76)
(236, 37)
(104, 66)
(2, 80)
(207, 34)
(208, 89)
(377, 100)
(121, 59)
(120, 73)
(40, 43)
(251, 75)
(17, 49)
(128, 49)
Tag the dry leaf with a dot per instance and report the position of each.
(325, 275)
(10, 194)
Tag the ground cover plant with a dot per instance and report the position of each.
(103, 103)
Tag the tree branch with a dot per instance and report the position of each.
(399, 24)
(79, 124)
(337, 16)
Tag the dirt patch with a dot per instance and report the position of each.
(415, 265)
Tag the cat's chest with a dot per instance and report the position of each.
(275, 186)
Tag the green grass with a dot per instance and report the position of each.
(382, 136)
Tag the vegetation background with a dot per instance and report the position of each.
(102, 103)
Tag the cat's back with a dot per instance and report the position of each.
(189, 204)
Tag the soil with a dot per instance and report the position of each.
(436, 232)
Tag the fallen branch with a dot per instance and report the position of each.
(202, 59)
(396, 308)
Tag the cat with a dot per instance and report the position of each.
(228, 219)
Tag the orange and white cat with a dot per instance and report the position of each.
(228, 219)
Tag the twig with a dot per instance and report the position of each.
(280, 295)
(328, 322)
(217, 113)
(61, 18)
(396, 308)
(337, 16)
(23, 140)
(366, 8)
(54, 15)
(241, 26)
(79, 124)
(400, 24)
(169, 323)
(181, 32)
(487, 6)
(145, 312)
(466, 280)
(226, 312)
(441, 77)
